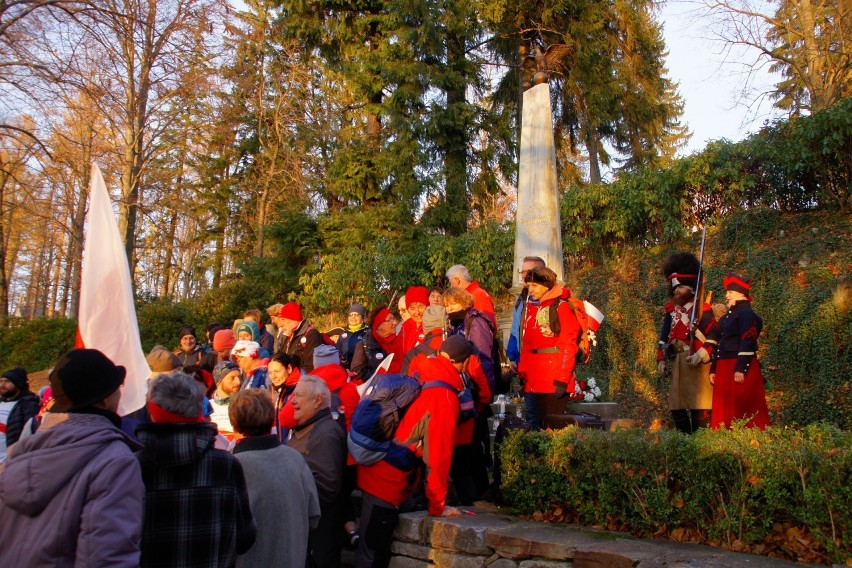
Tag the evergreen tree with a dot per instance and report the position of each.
(812, 49)
(362, 51)
(607, 72)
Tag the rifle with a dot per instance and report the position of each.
(698, 300)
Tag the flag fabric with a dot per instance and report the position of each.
(380, 370)
(107, 318)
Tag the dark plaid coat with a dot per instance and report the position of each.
(196, 503)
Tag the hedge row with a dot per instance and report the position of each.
(35, 345)
(783, 492)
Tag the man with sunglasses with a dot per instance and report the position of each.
(513, 350)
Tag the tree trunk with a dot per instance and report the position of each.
(4, 286)
(455, 150)
(75, 253)
(166, 280)
(815, 81)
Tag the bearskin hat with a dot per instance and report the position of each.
(681, 269)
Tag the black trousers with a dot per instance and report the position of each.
(324, 542)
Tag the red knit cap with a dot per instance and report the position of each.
(224, 339)
(291, 311)
(417, 294)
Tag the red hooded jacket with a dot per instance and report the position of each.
(428, 428)
(410, 335)
(546, 357)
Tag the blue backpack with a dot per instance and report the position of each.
(377, 416)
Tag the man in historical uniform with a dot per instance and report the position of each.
(685, 352)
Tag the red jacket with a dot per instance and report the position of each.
(464, 431)
(285, 412)
(545, 357)
(336, 377)
(676, 327)
(428, 428)
(410, 335)
(482, 301)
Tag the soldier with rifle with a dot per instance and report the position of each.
(682, 346)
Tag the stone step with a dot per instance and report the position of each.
(502, 541)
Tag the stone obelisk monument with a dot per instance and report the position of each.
(537, 232)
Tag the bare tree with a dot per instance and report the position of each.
(15, 190)
(808, 42)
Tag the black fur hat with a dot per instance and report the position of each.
(681, 269)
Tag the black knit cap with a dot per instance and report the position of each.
(83, 377)
(458, 348)
(186, 330)
(18, 376)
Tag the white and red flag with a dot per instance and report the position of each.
(107, 318)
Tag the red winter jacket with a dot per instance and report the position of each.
(410, 335)
(545, 357)
(337, 380)
(482, 301)
(464, 431)
(285, 412)
(428, 428)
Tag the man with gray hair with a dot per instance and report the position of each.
(320, 438)
(196, 502)
(459, 277)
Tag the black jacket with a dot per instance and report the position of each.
(302, 343)
(26, 407)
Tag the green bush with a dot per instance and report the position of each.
(742, 489)
(160, 319)
(800, 164)
(385, 262)
(35, 345)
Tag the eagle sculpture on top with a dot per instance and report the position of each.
(552, 58)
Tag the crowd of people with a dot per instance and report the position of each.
(240, 455)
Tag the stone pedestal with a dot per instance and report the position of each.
(606, 410)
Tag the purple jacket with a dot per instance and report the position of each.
(476, 328)
(71, 495)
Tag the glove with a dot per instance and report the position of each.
(700, 356)
(661, 367)
(561, 389)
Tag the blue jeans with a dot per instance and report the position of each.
(531, 412)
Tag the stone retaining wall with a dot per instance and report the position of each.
(500, 541)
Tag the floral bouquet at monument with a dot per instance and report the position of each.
(586, 391)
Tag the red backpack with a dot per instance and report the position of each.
(588, 326)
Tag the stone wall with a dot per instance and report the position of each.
(501, 541)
